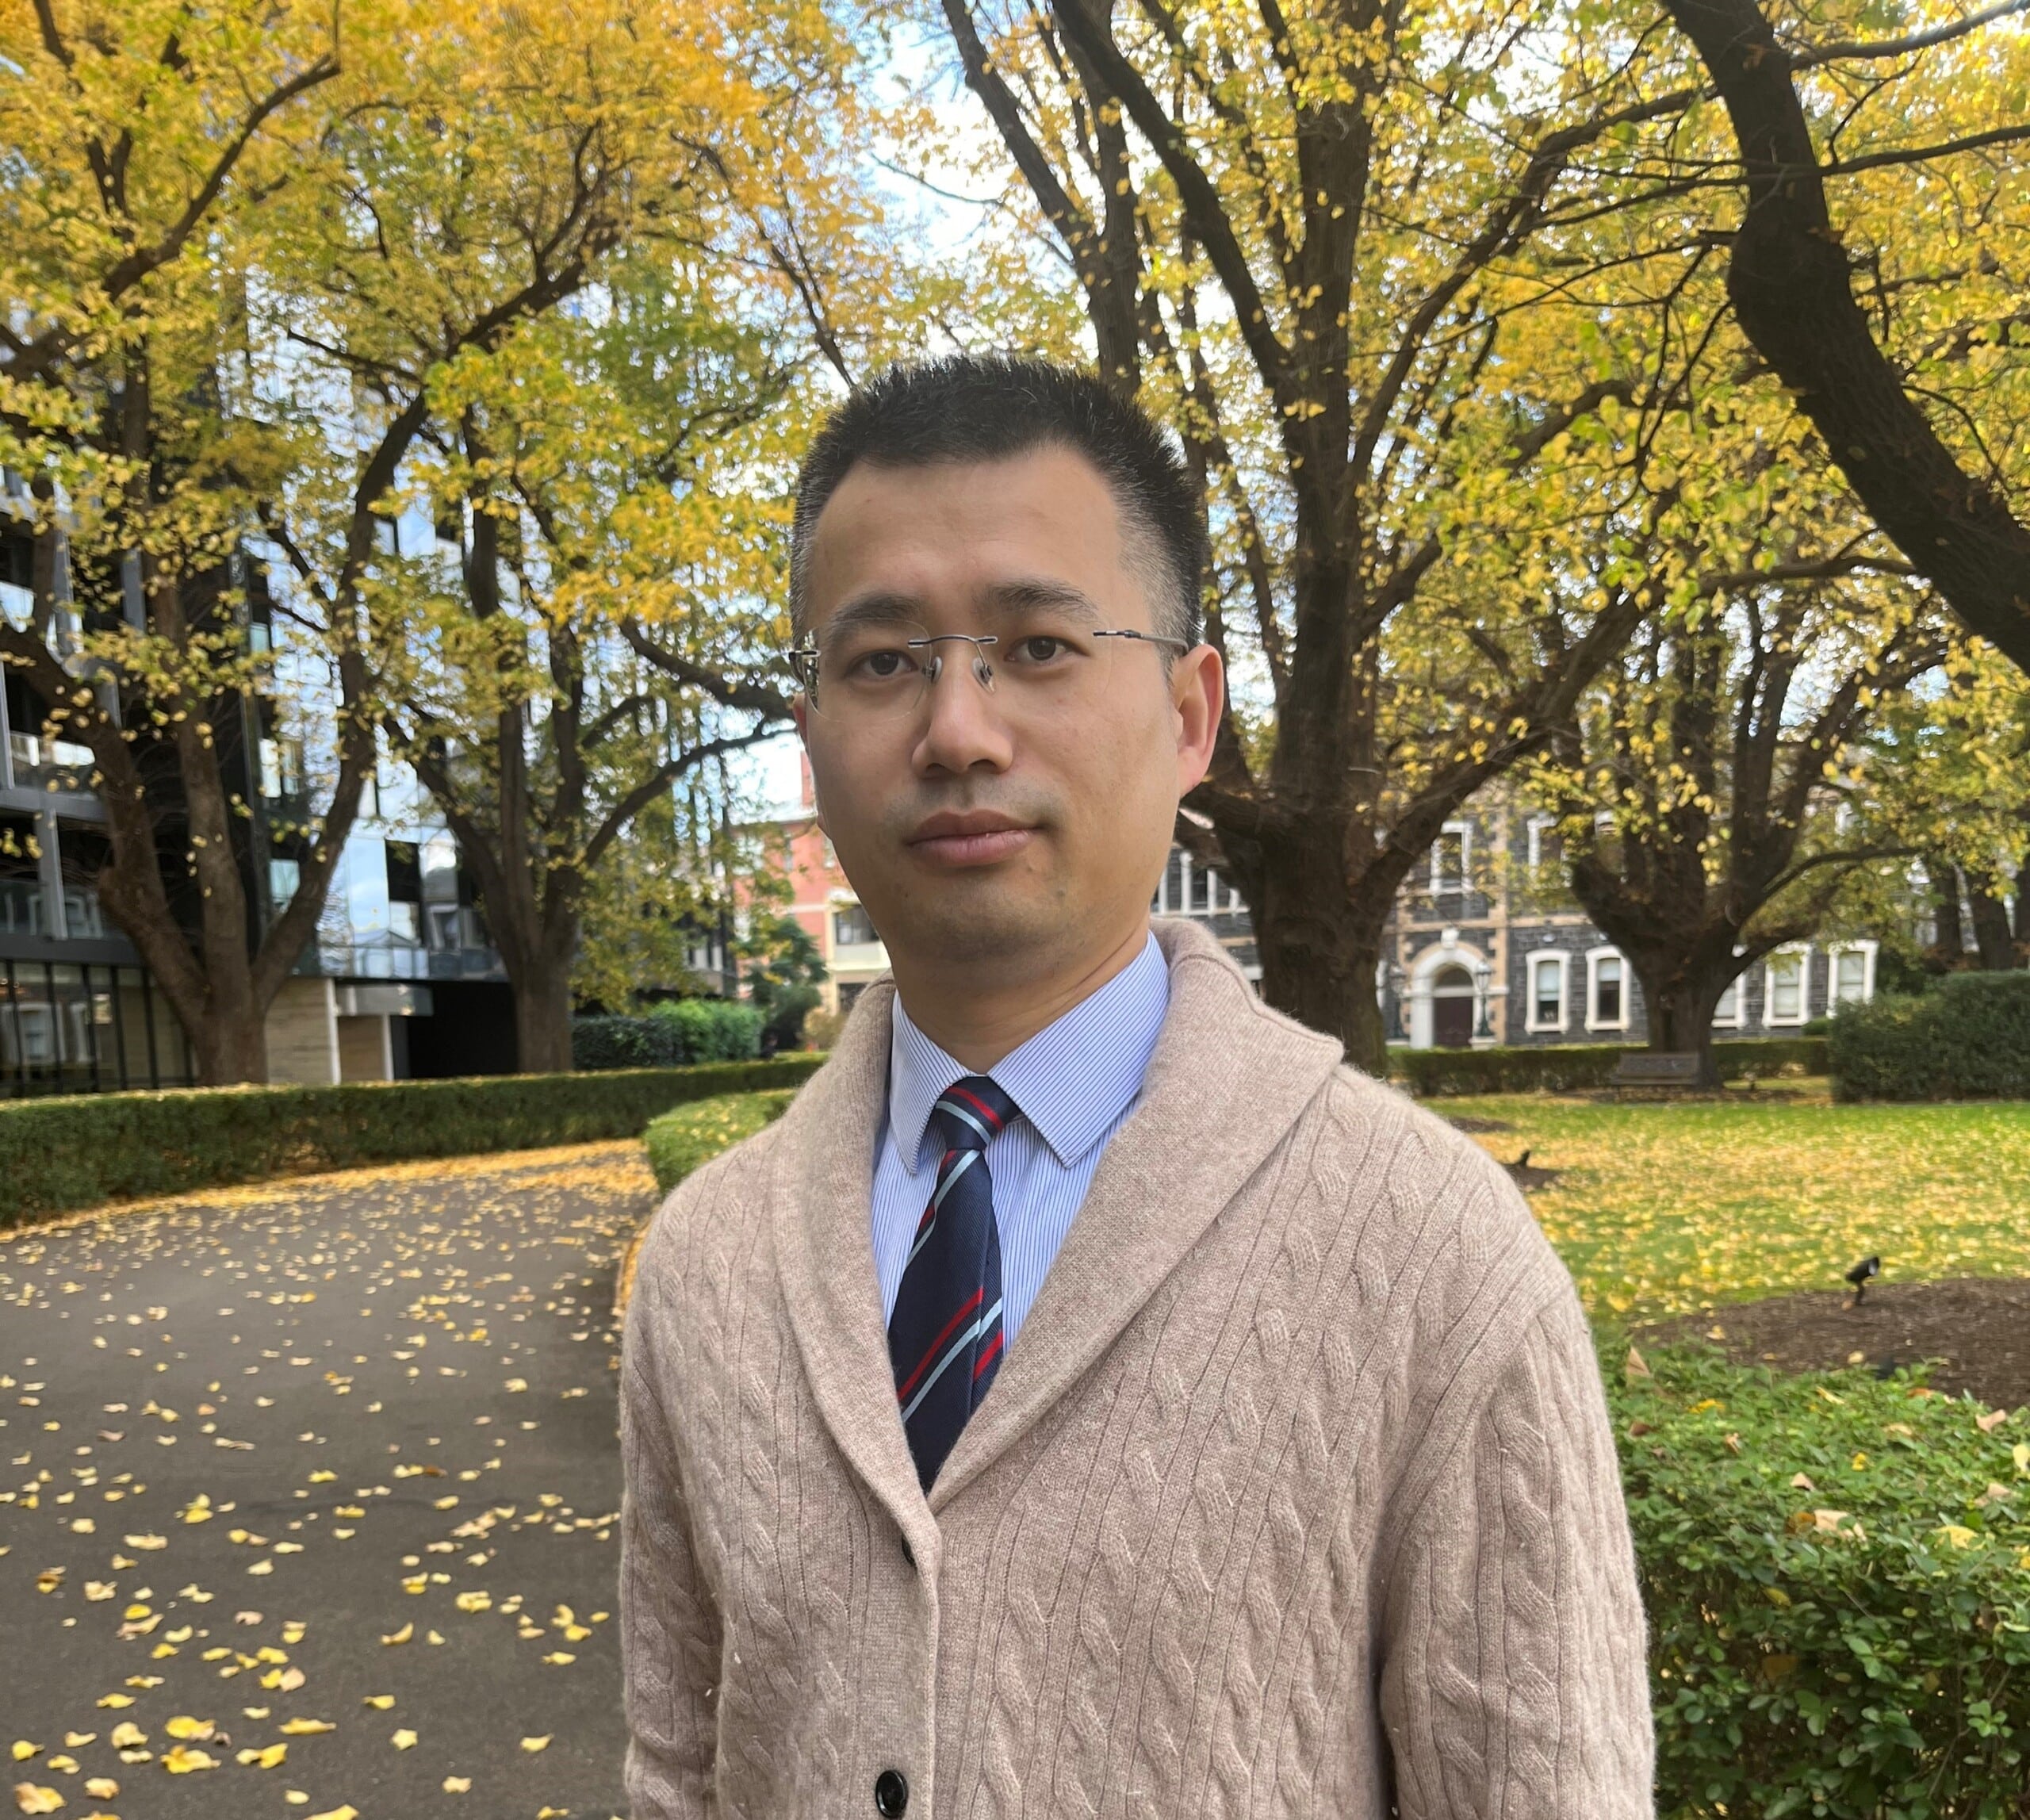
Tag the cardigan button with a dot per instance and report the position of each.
(891, 1794)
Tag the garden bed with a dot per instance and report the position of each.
(1975, 1330)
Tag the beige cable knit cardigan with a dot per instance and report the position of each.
(1295, 1496)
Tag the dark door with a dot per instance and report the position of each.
(1452, 1009)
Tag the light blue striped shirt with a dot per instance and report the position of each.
(1074, 1083)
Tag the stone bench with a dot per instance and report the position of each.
(1646, 1070)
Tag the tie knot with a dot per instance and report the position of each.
(971, 1112)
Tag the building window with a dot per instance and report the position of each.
(1606, 990)
(1787, 975)
(851, 927)
(1546, 977)
(1545, 848)
(1853, 973)
(1727, 1012)
(1449, 857)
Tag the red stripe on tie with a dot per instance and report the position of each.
(988, 1357)
(992, 1117)
(938, 1346)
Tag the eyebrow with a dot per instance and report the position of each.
(887, 606)
(1031, 591)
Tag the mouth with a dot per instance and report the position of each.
(970, 838)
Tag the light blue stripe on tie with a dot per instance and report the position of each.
(951, 1352)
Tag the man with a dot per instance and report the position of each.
(1091, 1398)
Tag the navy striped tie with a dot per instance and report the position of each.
(944, 1338)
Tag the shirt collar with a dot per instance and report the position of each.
(1072, 1080)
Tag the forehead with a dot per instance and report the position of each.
(951, 533)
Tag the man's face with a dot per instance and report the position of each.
(979, 827)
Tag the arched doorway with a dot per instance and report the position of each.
(1452, 1009)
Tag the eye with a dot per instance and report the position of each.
(884, 665)
(1040, 648)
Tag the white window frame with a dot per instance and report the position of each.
(1738, 987)
(1563, 959)
(1465, 831)
(1800, 952)
(1864, 946)
(1534, 830)
(1594, 957)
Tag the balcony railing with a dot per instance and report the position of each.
(24, 911)
(61, 761)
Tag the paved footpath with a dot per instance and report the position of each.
(309, 1501)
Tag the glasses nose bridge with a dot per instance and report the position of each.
(982, 667)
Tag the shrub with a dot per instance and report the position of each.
(604, 1043)
(680, 1032)
(712, 1029)
(681, 1140)
(1967, 1039)
(1575, 1068)
(1837, 1572)
(78, 1152)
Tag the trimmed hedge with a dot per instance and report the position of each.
(1856, 1646)
(1573, 1068)
(1967, 1038)
(79, 1150)
(679, 1033)
(679, 1141)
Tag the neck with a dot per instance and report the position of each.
(976, 1021)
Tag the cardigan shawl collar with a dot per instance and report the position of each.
(1224, 1086)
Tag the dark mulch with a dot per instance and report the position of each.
(1978, 1328)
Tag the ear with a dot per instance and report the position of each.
(1198, 694)
(800, 714)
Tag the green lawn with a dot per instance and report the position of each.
(1667, 1209)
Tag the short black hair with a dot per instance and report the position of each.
(974, 408)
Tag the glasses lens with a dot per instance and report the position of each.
(869, 671)
(1048, 661)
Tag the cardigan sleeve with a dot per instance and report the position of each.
(1514, 1678)
(670, 1629)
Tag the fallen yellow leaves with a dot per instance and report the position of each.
(127, 1736)
(271, 1757)
(401, 1636)
(403, 1740)
(102, 1787)
(305, 1727)
(535, 1743)
(191, 1729)
(31, 1798)
(185, 1758)
(346, 1813)
(457, 1785)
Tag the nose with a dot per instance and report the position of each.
(966, 727)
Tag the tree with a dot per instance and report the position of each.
(180, 392)
(583, 471)
(141, 141)
(1706, 790)
(1912, 413)
(783, 970)
(1313, 243)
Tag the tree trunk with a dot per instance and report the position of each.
(1318, 951)
(1680, 994)
(1949, 943)
(542, 1021)
(1993, 937)
(229, 1049)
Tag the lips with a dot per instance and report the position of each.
(970, 838)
